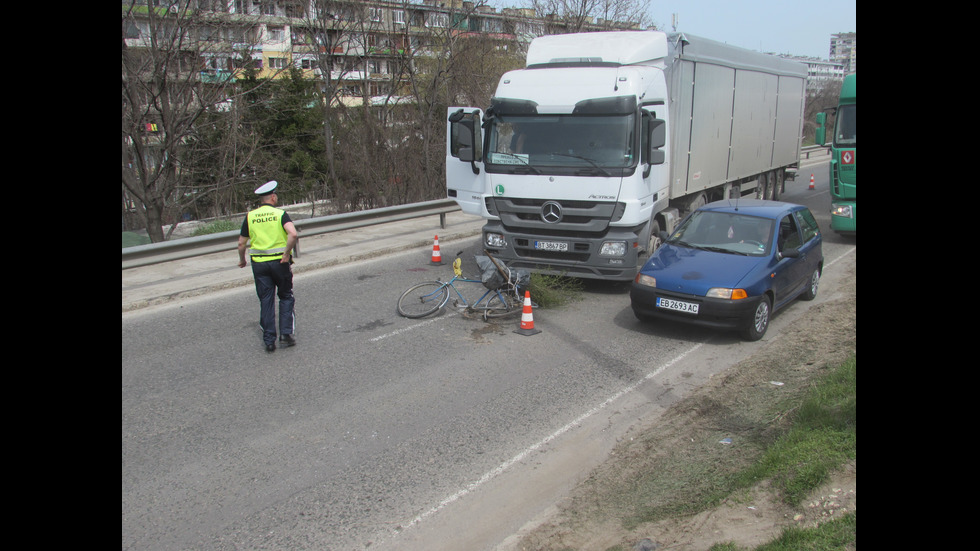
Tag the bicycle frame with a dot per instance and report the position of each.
(485, 298)
(507, 295)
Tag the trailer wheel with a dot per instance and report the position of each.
(763, 189)
(778, 179)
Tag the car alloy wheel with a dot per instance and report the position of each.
(811, 292)
(759, 322)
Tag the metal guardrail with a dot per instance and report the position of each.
(814, 149)
(155, 253)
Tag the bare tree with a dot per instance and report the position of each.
(459, 59)
(821, 98)
(427, 70)
(334, 35)
(385, 147)
(166, 89)
(572, 16)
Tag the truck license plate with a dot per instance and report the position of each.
(689, 307)
(559, 246)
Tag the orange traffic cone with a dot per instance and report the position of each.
(527, 318)
(436, 255)
(811, 181)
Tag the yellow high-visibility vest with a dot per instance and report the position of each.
(267, 236)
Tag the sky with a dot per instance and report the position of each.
(777, 26)
(794, 27)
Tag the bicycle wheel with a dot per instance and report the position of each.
(423, 299)
(502, 303)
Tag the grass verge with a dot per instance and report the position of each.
(217, 226)
(794, 445)
(132, 239)
(822, 437)
(790, 446)
(552, 291)
(833, 535)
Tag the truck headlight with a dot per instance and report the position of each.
(844, 211)
(495, 240)
(613, 248)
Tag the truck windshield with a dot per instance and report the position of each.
(595, 143)
(845, 133)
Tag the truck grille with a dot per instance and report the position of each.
(577, 217)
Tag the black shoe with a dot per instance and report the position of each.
(287, 341)
(271, 347)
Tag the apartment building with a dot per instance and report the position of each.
(362, 43)
(843, 49)
(842, 61)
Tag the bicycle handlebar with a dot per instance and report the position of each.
(499, 269)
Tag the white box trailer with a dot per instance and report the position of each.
(744, 111)
(604, 139)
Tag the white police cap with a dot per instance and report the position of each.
(267, 188)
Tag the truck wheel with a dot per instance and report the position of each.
(654, 241)
(778, 177)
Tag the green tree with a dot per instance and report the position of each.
(285, 114)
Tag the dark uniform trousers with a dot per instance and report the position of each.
(270, 277)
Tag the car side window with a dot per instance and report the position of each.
(789, 234)
(808, 224)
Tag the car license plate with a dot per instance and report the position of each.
(676, 305)
(559, 246)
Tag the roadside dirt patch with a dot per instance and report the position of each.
(718, 429)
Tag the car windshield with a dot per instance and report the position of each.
(724, 232)
(598, 144)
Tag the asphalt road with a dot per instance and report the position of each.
(383, 432)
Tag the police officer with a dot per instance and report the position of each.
(273, 238)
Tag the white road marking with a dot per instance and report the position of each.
(520, 456)
(416, 326)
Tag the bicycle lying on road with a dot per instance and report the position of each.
(502, 297)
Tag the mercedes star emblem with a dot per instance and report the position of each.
(551, 212)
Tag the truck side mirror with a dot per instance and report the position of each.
(656, 139)
(465, 138)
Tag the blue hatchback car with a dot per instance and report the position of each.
(731, 264)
